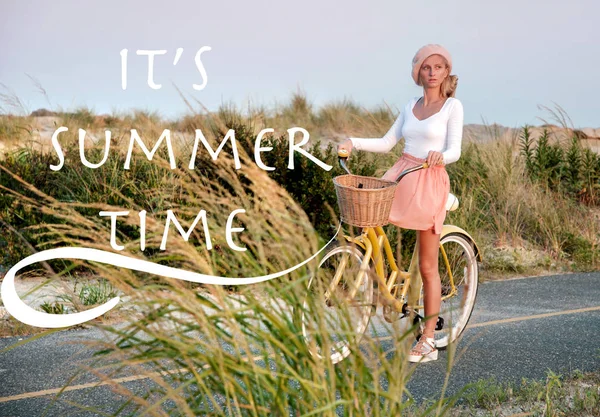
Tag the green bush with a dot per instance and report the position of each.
(580, 249)
(53, 308)
(573, 171)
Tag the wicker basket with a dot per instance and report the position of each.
(364, 201)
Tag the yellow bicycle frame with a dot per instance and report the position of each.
(373, 240)
(375, 244)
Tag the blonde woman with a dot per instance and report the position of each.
(432, 127)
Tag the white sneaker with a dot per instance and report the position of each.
(423, 351)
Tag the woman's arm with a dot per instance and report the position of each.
(384, 144)
(454, 133)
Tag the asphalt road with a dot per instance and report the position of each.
(519, 328)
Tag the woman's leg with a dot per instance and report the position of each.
(429, 246)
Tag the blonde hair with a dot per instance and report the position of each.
(448, 86)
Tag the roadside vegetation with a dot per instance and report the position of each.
(529, 202)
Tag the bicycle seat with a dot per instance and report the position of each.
(452, 203)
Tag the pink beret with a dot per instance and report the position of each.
(423, 53)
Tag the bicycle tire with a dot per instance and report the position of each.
(360, 305)
(467, 283)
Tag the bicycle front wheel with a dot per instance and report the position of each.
(458, 293)
(337, 308)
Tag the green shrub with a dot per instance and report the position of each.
(53, 308)
(92, 294)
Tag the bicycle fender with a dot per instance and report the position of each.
(449, 228)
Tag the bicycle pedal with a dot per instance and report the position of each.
(440, 323)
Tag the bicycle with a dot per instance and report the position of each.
(353, 275)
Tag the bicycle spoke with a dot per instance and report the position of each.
(337, 318)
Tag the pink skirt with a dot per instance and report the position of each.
(420, 198)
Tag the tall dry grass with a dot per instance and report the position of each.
(210, 351)
(207, 351)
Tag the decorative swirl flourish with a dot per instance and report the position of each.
(22, 312)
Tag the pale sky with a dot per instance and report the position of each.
(510, 56)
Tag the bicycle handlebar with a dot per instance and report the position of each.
(343, 157)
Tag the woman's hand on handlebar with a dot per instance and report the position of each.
(345, 146)
(435, 158)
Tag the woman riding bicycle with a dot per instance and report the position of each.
(432, 127)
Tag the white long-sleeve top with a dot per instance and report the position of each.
(441, 132)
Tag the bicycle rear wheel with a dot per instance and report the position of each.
(455, 309)
(331, 318)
